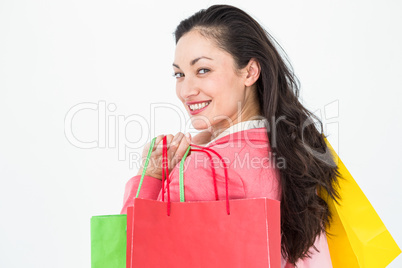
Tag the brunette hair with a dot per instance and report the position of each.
(304, 215)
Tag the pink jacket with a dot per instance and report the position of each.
(251, 171)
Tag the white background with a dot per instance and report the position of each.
(55, 55)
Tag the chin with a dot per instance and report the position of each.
(200, 122)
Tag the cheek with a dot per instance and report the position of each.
(228, 100)
(214, 87)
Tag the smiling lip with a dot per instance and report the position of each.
(194, 102)
(197, 111)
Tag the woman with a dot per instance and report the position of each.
(240, 92)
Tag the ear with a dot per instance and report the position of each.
(253, 70)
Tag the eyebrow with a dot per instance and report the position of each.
(194, 61)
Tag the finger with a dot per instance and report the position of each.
(158, 145)
(157, 154)
(188, 137)
(175, 144)
(184, 143)
(159, 149)
(158, 140)
(169, 139)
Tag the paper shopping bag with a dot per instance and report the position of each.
(108, 241)
(222, 233)
(201, 234)
(359, 237)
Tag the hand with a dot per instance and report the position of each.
(176, 148)
(202, 138)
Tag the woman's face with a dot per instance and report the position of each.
(205, 76)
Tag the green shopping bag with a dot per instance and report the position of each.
(108, 241)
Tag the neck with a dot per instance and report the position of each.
(249, 112)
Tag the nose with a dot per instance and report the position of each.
(186, 89)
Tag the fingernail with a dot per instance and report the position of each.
(188, 136)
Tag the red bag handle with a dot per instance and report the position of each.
(165, 172)
(204, 149)
(213, 170)
(165, 169)
(226, 174)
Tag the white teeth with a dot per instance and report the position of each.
(199, 105)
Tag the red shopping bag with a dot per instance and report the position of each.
(222, 233)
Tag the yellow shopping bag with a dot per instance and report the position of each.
(358, 237)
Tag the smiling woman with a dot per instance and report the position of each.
(211, 87)
(242, 94)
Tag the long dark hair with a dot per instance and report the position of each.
(304, 215)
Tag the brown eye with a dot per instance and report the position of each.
(206, 70)
(175, 75)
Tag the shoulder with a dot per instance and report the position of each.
(252, 159)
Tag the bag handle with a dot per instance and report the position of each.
(165, 169)
(165, 172)
(211, 163)
(204, 149)
(181, 180)
(145, 166)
